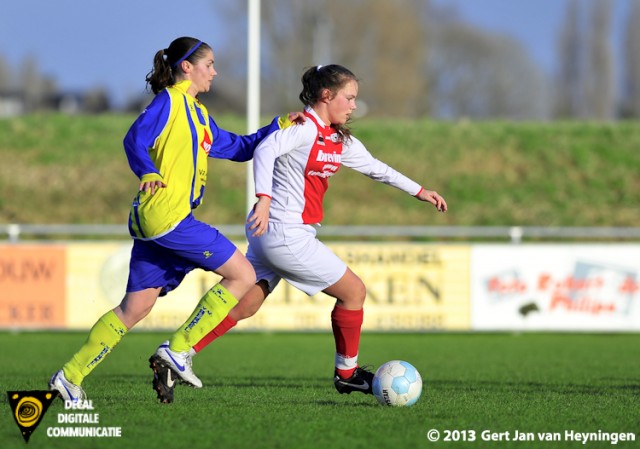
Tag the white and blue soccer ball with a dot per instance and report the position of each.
(397, 383)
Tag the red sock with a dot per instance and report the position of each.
(346, 326)
(217, 331)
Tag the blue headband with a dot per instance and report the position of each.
(189, 53)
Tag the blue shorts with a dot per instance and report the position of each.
(165, 261)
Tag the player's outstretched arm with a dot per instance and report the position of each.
(434, 198)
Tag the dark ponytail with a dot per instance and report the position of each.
(167, 61)
(332, 77)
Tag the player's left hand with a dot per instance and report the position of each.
(434, 198)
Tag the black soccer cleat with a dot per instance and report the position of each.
(361, 380)
(164, 379)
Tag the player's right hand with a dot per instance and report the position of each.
(259, 219)
(151, 186)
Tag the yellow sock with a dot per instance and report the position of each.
(103, 337)
(210, 311)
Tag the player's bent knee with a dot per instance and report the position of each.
(249, 278)
(359, 291)
(356, 297)
(245, 275)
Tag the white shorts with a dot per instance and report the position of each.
(293, 253)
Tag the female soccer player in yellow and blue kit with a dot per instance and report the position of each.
(167, 148)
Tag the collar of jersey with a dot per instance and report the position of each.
(316, 116)
(182, 86)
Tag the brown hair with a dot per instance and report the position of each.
(332, 77)
(167, 61)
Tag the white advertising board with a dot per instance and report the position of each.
(594, 287)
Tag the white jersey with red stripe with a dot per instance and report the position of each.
(293, 167)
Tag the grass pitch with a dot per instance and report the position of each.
(275, 391)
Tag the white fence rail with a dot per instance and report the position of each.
(17, 232)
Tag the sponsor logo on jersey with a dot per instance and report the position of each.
(328, 170)
(329, 157)
(335, 138)
(206, 142)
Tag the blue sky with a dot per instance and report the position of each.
(84, 44)
(534, 23)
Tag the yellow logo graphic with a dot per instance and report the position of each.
(28, 409)
(207, 254)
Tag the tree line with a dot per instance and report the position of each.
(419, 59)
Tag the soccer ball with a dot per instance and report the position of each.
(397, 383)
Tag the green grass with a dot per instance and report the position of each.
(274, 391)
(59, 169)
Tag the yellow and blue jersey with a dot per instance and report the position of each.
(170, 141)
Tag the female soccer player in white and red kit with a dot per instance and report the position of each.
(292, 168)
